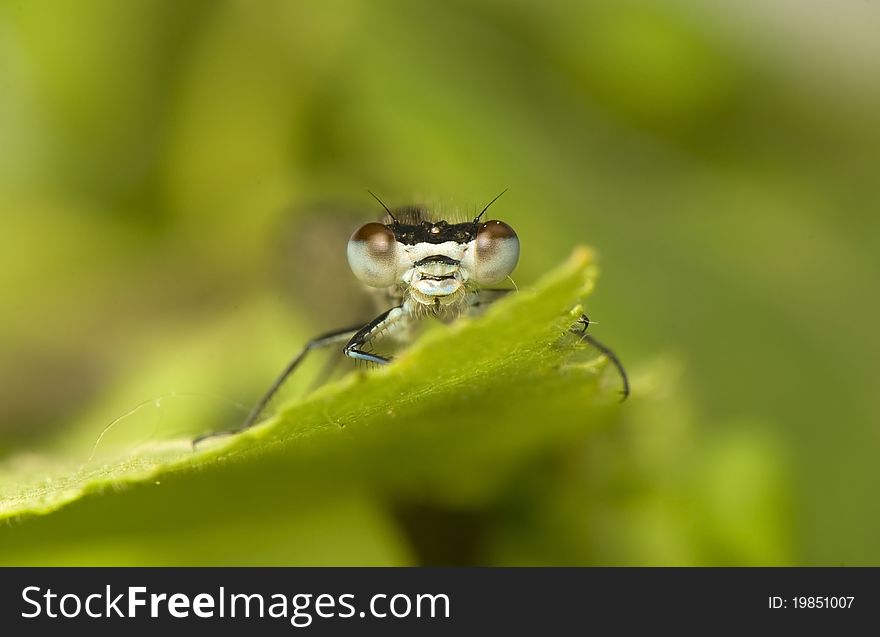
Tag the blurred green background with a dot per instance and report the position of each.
(156, 158)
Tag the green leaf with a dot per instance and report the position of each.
(453, 415)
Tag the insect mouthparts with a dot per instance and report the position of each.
(437, 258)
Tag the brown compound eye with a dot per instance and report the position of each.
(373, 256)
(496, 252)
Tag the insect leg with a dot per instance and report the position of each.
(607, 351)
(370, 330)
(324, 340)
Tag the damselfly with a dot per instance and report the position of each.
(421, 267)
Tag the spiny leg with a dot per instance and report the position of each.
(324, 340)
(372, 329)
(607, 351)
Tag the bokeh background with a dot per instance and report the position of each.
(167, 170)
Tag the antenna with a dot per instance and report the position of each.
(489, 204)
(383, 205)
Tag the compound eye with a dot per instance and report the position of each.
(372, 255)
(497, 251)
